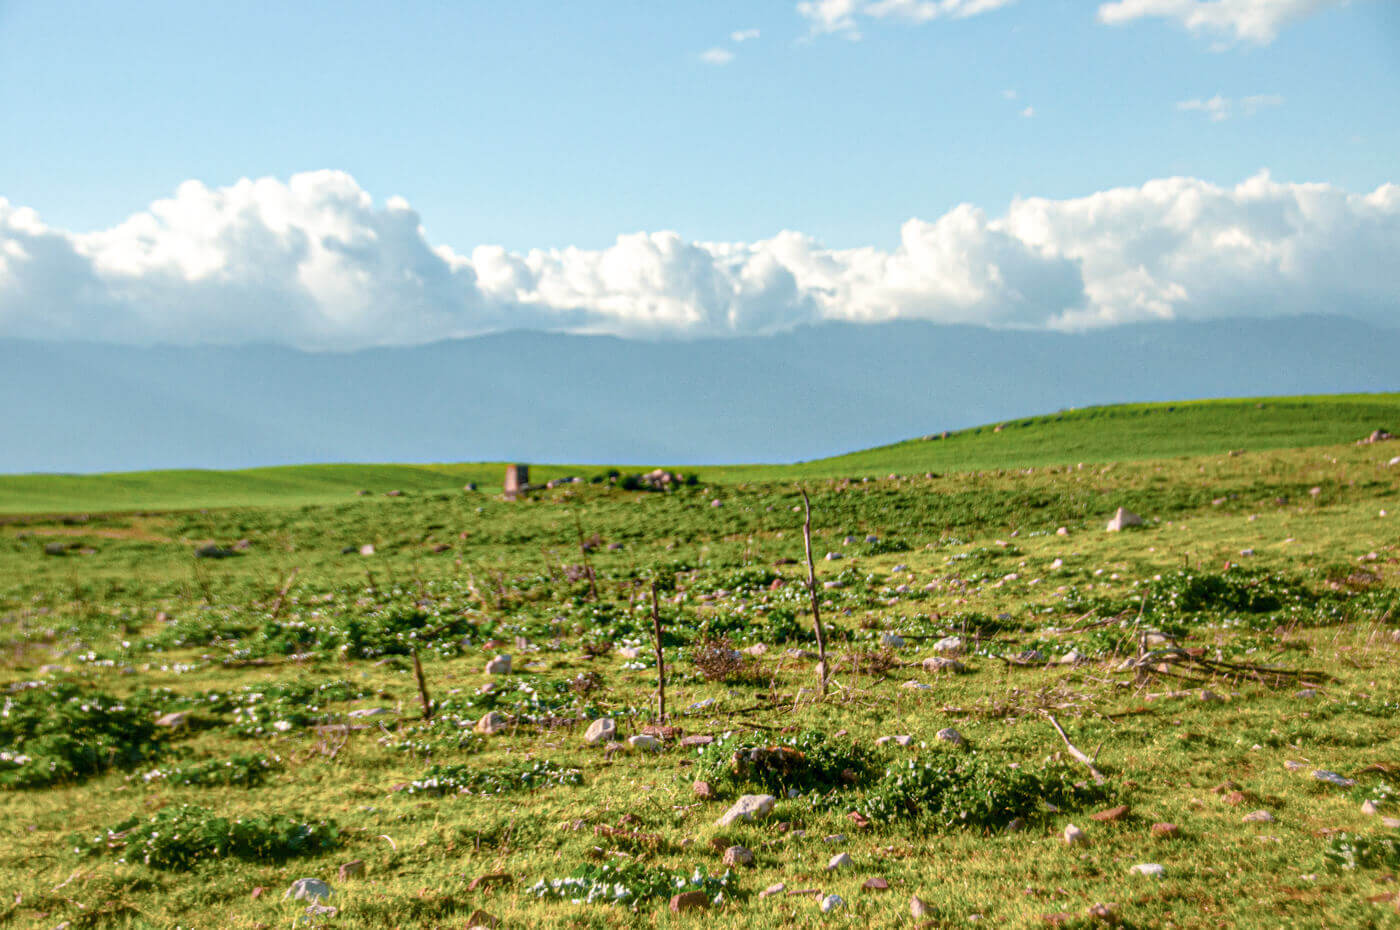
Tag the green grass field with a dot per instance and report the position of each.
(1227, 667)
(1129, 432)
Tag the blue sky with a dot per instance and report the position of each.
(548, 127)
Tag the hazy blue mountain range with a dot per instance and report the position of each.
(541, 397)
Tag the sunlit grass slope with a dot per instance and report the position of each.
(1096, 434)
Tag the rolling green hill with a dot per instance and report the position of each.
(1095, 434)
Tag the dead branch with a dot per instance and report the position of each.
(812, 589)
(422, 686)
(1074, 750)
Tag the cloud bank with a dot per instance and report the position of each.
(842, 17)
(313, 262)
(1256, 21)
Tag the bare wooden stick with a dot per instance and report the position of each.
(1074, 750)
(282, 595)
(812, 589)
(660, 659)
(583, 551)
(422, 686)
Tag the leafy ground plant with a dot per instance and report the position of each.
(57, 734)
(628, 883)
(183, 837)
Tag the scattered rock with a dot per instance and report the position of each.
(838, 861)
(771, 890)
(1369, 808)
(736, 856)
(942, 664)
(876, 884)
(1258, 817)
(1150, 869)
(918, 909)
(490, 878)
(1113, 814)
(308, 889)
(644, 741)
(174, 719)
(949, 735)
(1104, 913)
(747, 808)
(1165, 831)
(1122, 518)
(1062, 531)
(492, 722)
(892, 640)
(352, 869)
(699, 739)
(913, 685)
(703, 790)
(367, 549)
(949, 646)
(479, 918)
(1332, 778)
(1235, 798)
(499, 665)
(831, 902)
(321, 910)
(689, 901)
(1075, 836)
(1306, 693)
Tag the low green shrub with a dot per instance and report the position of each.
(969, 790)
(807, 761)
(470, 779)
(56, 734)
(183, 837)
(1352, 851)
(628, 883)
(242, 771)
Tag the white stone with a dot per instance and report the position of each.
(1123, 517)
(644, 741)
(831, 902)
(1258, 817)
(747, 808)
(499, 665)
(1062, 531)
(493, 722)
(913, 685)
(600, 731)
(736, 856)
(838, 861)
(629, 652)
(892, 640)
(176, 719)
(1075, 836)
(1150, 869)
(367, 549)
(308, 889)
(949, 646)
(942, 664)
(1369, 808)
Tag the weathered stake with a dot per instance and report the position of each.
(282, 594)
(812, 589)
(583, 551)
(660, 660)
(422, 686)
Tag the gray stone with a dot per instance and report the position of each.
(600, 731)
(949, 735)
(736, 856)
(308, 889)
(892, 640)
(1150, 869)
(942, 664)
(838, 861)
(831, 902)
(747, 808)
(174, 719)
(949, 646)
(499, 665)
(1258, 817)
(1075, 836)
(644, 741)
(1332, 778)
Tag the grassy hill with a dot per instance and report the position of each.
(1124, 432)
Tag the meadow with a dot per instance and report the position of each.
(218, 684)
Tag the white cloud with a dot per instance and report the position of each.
(717, 56)
(1257, 21)
(1028, 112)
(1219, 108)
(313, 262)
(842, 16)
(743, 35)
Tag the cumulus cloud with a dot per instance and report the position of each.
(314, 262)
(1218, 108)
(1256, 21)
(717, 56)
(743, 35)
(842, 17)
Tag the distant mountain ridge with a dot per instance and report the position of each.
(542, 397)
